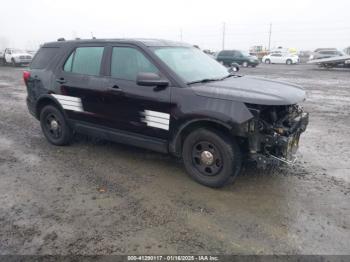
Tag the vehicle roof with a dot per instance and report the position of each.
(325, 49)
(144, 41)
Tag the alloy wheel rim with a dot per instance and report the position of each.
(207, 158)
(53, 126)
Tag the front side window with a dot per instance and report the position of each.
(190, 63)
(85, 60)
(127, 62)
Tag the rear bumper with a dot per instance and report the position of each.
(31, 107)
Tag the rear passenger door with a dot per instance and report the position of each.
(79, 84)
(225, 57)
(238, 57)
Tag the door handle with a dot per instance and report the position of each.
(116, 88)
(61, 80)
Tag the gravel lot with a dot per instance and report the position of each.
(97, 197)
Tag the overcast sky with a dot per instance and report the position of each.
(303, 24)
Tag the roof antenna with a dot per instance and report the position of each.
(92, 36)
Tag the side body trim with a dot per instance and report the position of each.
(122, 137)
(69, 102)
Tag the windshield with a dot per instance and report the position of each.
(191, 64)
(245, 53)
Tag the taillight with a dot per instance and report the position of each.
(26, 76)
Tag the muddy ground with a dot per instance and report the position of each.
(97, 197)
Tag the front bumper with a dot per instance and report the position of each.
(277, 149)
(24, 61)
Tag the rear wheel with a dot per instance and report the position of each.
(267, 61)
(211, 158)
(54, 126)
(245, 64)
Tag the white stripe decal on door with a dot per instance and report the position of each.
(69, 102)
(156, 119)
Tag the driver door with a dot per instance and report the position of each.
(140, 109)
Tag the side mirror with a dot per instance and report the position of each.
(234, 67)
(151, 79)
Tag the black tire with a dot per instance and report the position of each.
(54, 126)
(224, 165)
(245, 64)
(267, 61)
(234, 67)
(289, 62)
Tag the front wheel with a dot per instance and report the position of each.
(211, 158)
(289, 62)
(54, 126)
(267, 61)
(245, 64)
(234, 67)
(14, 64)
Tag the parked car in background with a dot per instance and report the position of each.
(16, 57)
(325, 53)
(227, 57)
(280, 58)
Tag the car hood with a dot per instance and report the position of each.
(253, 90)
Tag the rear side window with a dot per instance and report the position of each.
(44, 57)
(85, 60)
(224, 53)
(127, 62)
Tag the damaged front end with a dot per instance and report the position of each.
(274, 132)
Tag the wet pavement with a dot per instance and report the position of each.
(98, 197)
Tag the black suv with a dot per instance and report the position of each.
(168, 97)
(228, 57)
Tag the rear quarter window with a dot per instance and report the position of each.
(44, 56)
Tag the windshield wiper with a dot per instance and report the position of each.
(205, 80)
(228, 76)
